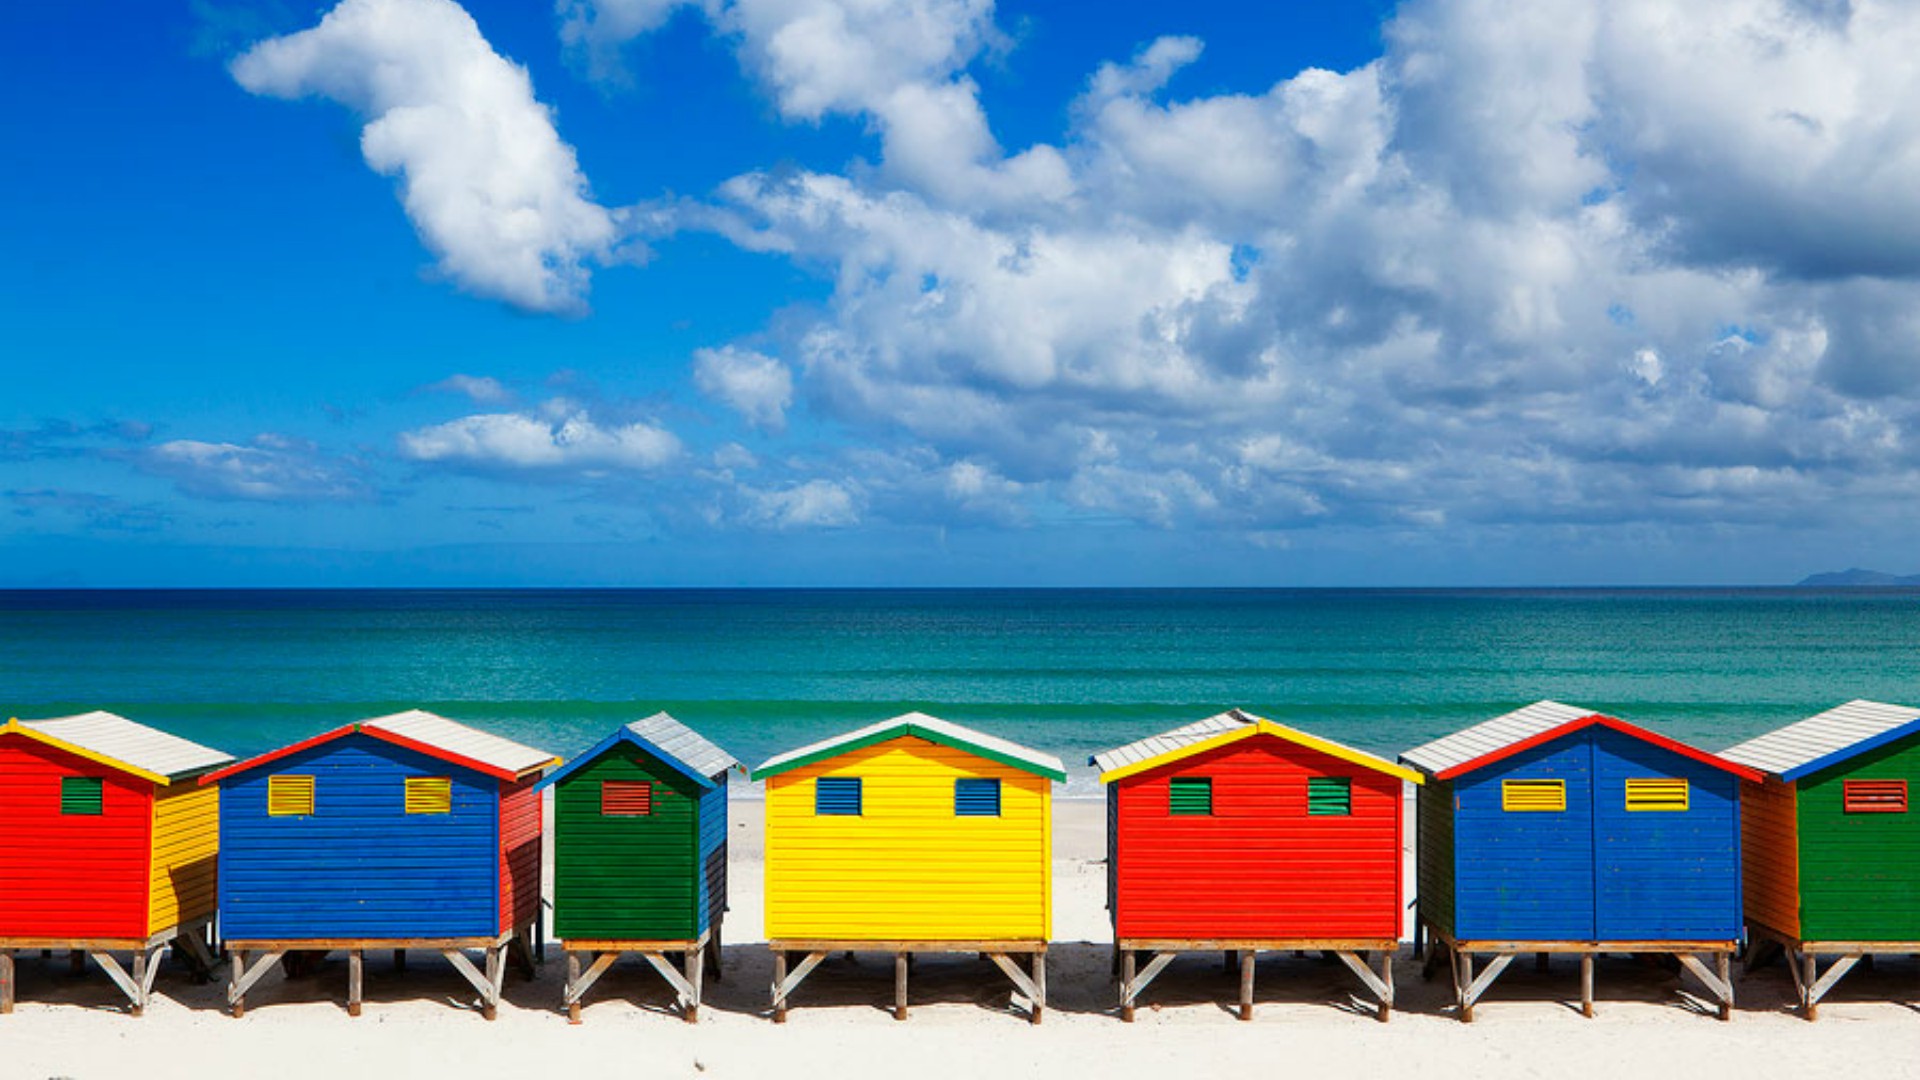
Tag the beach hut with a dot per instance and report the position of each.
(107, 845)
(912, 835)
(1554, 829)
(409, 831)
(640, 855)
(1241, 835)
(1832, 849)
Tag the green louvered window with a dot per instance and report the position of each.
(1329, 796)
(1190, 796)
(80, 795)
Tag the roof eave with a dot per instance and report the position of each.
(15, 727)
(1872, 742)
(624, 735)
(776, 766)
(1558, 731)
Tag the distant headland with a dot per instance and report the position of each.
(1857, 576)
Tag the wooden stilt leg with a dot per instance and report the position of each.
(714, 956)
(1246, 984)
(140, 961)
(899, 986)
(1724, 968)
(1039, 987)
(355, 974)
(1386, 978)
(6, 982)
(695, 961)
(779, 980)
(1809, 1007)
(1126, 985)
(573, 980)
(1464, 978)
(1586, 984)
(237, 966)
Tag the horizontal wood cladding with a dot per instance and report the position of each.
(1525, 876)
(1770, 856)
(71, 875)
(1859, 873)
(359, 866)
(1434, 855)
(1261, 864)
(908, 868)
(186, 842)
(521, 836)
(626, 876)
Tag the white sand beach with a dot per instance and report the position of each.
(965, 1022)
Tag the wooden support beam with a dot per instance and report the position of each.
(1039, 962)
(1124, 959)
(119, 975)
(1586, 985)
(1131, 985)
(1717, 983)
(1473, 987)
(1809, 1005)
(1381, 985)
(1033, 986)
(487, 983)
(685, 994)
(6, 981)
(696, 965)
(1386, 976)
(1819, 988)
(1462, 975)
(785, 983)
(192, 948)
(1247, 957)
(356, 970)
(900, 986)
(570, 997)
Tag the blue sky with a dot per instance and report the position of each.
(638, 292)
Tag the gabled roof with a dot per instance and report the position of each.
(1535, 725)
(922, 726)
(1829, 738)
(434, 736)
(119, 743)
(1217, 731)
(667, 740)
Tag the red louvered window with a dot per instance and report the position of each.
(1874, 796)
(625, 798)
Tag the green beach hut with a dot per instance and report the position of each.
(640, 856)
(1831, 846)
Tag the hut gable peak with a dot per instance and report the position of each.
(123, 745)
(1201, 736)
(918, 725)
(666, 740)
(423, 732)
(1826, 739)
(1542, 722)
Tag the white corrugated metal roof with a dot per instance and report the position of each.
(1484, 738)
(457, 738)
(1167, 741)
(138, 745)
(1825, 735)
(672, 737)
(1045, 763)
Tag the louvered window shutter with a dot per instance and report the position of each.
(837, 796)
(626, 798)
(1648, 794)
(1874, 796)
(81, 795)
(1190, 796)
(429, 795)
(1329, 796)
(289, 796)
(976, 797)
(1533, 796)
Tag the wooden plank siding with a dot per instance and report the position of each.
(359, 867)
(66, 876)
(521, 835)
(907, 869)
(1770, 855)
(1663, 875)
(1526, 876)
(186, 843)
(1434, 855)
(1860, 873)
(1259, 865)
(711, 903)
(625, 877)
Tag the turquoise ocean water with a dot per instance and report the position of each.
(1068, 671)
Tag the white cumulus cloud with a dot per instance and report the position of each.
(272, 468)
(758, 387)
(490, 186)
(560, 437)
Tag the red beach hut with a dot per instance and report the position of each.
(1241, 835)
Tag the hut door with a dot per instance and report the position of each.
(1665, 845)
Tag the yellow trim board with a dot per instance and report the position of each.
(15, 727)
(1263, 726)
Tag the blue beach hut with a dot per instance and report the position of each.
(1554, 829)
(409, 831)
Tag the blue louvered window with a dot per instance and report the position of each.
(837, 796)
(974, 797)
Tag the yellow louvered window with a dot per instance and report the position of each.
(1647, 793)
(429, 795)
(1533, 796)
(289, 796)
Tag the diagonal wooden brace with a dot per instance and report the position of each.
(1381, 989)
(1722, 990)
(784, 988)
(243, 977)
(1485, 979)
(577, 989)
(1130, 991)
(682, 986)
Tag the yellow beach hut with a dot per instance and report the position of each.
(913, 835)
